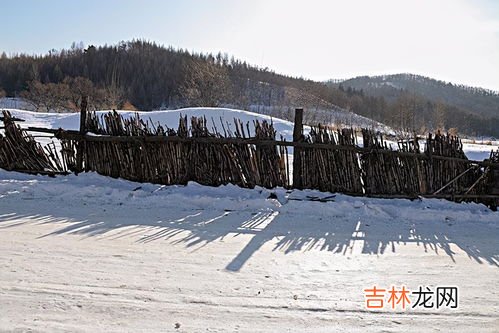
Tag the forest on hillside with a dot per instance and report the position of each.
(479, 101)
(143, 75)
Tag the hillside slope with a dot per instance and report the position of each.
(478, 101)
(147, 76)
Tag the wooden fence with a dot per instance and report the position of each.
(250, 155)
(131, 150)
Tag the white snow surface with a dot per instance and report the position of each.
(479, 152)
(93, 254)
(89, 253)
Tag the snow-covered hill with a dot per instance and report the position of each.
(332, 115)
(170, 118)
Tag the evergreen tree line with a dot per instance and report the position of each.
(143, 75)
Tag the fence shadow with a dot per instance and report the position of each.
(375, 229)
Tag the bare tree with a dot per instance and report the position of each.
(80, 86)
(114, 94)
(208, 85)
(57, 97)
(47, 97)
(440, 115)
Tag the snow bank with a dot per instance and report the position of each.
(99, 190)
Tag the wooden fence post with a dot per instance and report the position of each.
(83, 130)
(297, 137)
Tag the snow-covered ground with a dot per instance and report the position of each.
(479, 151)
(93, 254)
(15, 103)
(334, 115)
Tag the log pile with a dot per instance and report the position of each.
(20, 152)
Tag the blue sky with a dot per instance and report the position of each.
(453, 40)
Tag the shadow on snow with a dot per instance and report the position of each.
(375, 229)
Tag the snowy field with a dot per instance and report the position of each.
(93, 254)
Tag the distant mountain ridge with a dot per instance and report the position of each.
(478, 101)
(143, 75)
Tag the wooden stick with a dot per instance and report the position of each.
(453, 180)
(83, 126)
(297, 137)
